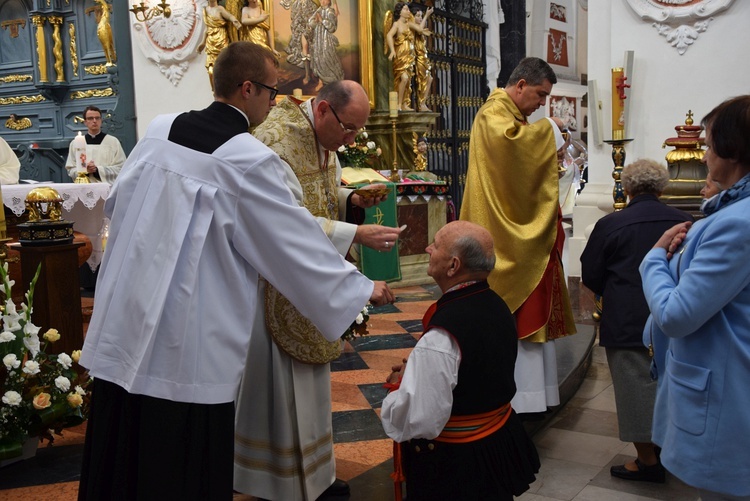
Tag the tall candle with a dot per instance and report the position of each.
(618, 114)
(393, 103)
(79, 151)
(297, 93)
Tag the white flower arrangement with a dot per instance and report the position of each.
(35, 386)
(361, 153)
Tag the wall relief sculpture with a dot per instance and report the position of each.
(679, 21)
(171, 42)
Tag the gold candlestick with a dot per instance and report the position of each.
(393, 113)
(394, 168)
(618, 157)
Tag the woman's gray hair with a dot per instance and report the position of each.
(644, 176)
(473, 256)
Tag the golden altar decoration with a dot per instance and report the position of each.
(687, 173)
(45, 224)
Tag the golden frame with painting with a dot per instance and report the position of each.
(354, 33)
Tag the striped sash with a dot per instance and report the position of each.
(463, 429)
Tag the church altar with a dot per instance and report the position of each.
(82, 203)
(422, 207)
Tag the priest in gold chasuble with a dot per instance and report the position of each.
(512, 190)
(283, 429)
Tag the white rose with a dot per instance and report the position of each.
(364, 134)
(64, 360)
(80, 390)
(7, 336)
(11, 361)
(360, 318)
(371, 145)
(31, 367)
(342, 149)
(12, 398)
(62, 383)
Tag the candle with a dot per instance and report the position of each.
(618, 113)
(297, 93)
(79, 151)
(393, 103)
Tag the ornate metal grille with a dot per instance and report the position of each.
(459, 87)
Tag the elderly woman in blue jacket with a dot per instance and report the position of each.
(697, 286)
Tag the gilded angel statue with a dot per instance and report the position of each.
(217, 19)
(104, 31)
(423, 68)
(400, 32)
(256, 26)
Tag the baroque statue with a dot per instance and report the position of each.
(256, 27)
(104, 31)
(423, 67)
(400, 31)
(217, 20)
(324, 61)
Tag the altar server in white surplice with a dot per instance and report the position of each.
(198, 211)
(10, 167)
(104, 153)
(285, 451)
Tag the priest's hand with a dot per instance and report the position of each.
(366, 202)
(381, 294)
(377, 237)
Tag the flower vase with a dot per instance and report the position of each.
(28, 450)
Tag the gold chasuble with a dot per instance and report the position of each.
(512, 191)
(292, 137)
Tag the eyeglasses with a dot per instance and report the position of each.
(273, 90)
(344, 128)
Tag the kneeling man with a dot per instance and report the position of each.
(450, 410)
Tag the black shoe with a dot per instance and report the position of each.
(337, 488)
(654, 473)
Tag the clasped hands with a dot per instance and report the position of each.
(671, 240)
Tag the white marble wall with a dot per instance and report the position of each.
(665, 85)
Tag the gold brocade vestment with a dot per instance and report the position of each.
(512, 191)
(292, 137)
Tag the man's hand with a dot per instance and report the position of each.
(382, 294)
(365, 203)
(91, 167)
(397, 373)
(377, 237)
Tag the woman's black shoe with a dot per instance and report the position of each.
(654, 473)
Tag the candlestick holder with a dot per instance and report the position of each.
(618, 157)
(394, 167)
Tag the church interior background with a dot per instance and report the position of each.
(55, 59)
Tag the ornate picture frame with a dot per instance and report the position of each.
(354, 33)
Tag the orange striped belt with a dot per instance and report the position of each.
(463, 429)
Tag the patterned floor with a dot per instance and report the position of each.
(357, 391)
(577, 445)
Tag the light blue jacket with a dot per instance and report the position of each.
(700, 327)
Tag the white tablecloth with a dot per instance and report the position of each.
(82, 203)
